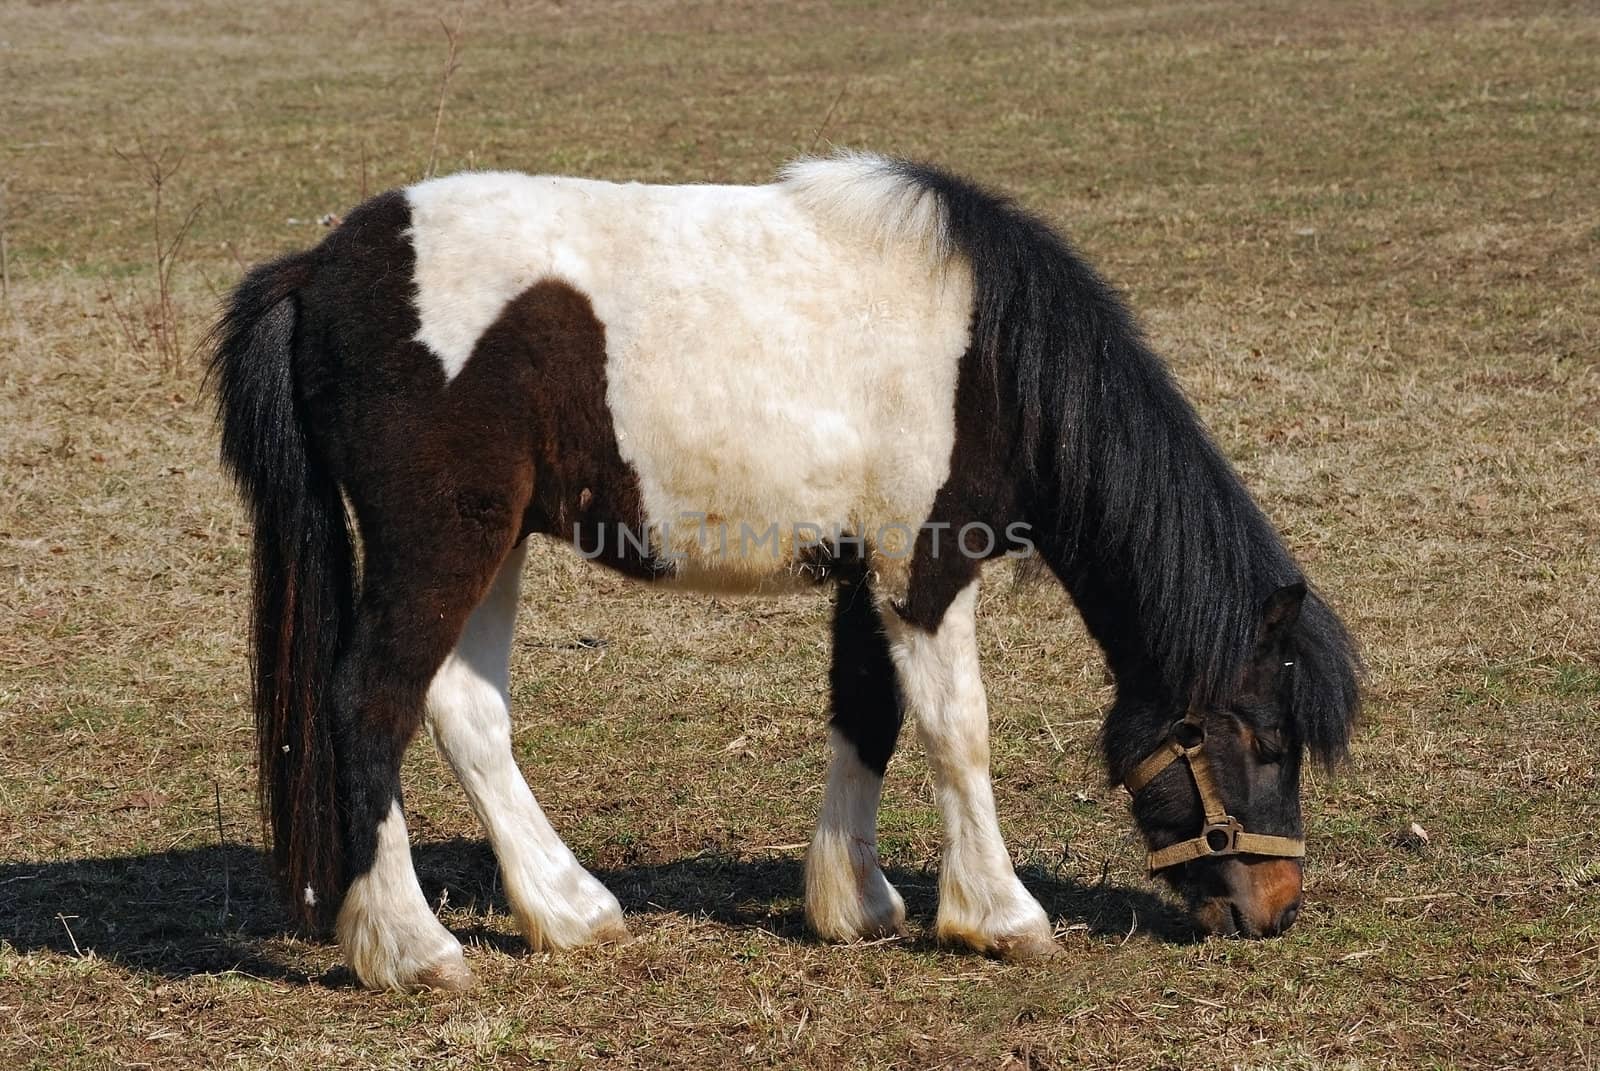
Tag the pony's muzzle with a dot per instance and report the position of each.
(1262, 899)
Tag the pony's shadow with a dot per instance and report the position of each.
(212, 910)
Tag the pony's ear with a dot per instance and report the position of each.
(1280, 613)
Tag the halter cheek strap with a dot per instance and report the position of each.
(1222, 833)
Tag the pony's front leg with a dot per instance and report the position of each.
(558, 903)
(847, 896)
(982, 903)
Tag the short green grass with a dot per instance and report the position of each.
(1364, 234)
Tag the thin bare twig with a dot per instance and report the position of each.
(826, 118)
(1054, 739)
(5, 259)
(222, 843)
(159, 167)
(127, 321)
(452, 36)
(76, 951)
(233, 251)
(169, 316)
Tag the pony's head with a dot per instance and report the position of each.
(1216, 783)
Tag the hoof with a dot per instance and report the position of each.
(1001, 919)
(1025, 948)
(451, 976)
(607, 929)
(877, 929)
(848, 898)
(858, 922)
(1029, 946)
(892, 924)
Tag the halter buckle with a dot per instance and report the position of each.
(1222, 838)
(1189, 733)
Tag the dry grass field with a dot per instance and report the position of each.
(1366, 235)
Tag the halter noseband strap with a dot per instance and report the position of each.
(1222, 834)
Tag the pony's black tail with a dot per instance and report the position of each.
(303, 578)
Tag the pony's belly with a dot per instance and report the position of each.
(713, 554)
(702, 551)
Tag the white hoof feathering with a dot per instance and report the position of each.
(847, 896)
(1000, 918)
(387, 933)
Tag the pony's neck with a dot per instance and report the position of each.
(1107, 609)
(1162, 548)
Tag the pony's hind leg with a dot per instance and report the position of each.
(557, 902)
(982, 904)
(847, 896)
(426, 566)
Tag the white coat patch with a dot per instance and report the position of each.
(780, 359)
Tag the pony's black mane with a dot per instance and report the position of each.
(1136, 509)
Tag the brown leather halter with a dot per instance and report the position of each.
(1222, 834)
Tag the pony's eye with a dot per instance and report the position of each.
(1269, 748)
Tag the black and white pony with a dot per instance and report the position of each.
(868, 372)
